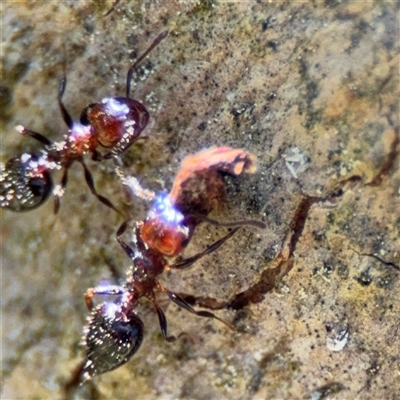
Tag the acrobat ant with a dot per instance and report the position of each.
(115, 332)
(114, 124)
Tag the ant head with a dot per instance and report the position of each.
(25, 182)
(116, 122)
(113, 336)
(164, 230)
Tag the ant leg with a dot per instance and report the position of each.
(108, 290)
(59, 190)
(250, 222)
(90, 183)
(112, 8)
(189, 261)
(38, 136)
(157, 40)
(65, 114)
(163, 321)
(182, 303)
(128, 249)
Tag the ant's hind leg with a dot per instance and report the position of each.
(163, 323)
(182, 303)
(189, 261)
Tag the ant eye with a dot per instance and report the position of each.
(112, 338)
(25, 183)
(185, 243)
(84, 120)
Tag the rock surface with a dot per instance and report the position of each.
(312, 89)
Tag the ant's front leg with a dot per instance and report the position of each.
(108, 290)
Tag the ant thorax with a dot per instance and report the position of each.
(79, 141)
(165, 230)
(144, 271)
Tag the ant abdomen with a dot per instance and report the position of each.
(25, 182)
(112, 337)
(116, 122)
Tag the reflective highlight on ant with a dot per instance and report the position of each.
(114, 332)
(114, 124)
(25, 182)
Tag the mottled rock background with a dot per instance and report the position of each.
(312, 88)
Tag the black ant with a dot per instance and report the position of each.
(114, 124)
(114, 332)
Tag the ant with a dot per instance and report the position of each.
(114, 124)
(115, 332)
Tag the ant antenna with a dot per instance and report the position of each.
(156, 42)
(61, 89)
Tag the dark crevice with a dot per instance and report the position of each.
(327, 391)
(73, 382)
(388, 263)
(283, 262)
(344, 185)
(267, 281)
(379, 259)
(299, 221)
(391, 158)
(255, 294)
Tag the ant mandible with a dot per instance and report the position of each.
(114, 124)
(115, 332)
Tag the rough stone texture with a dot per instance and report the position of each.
(312, 89)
